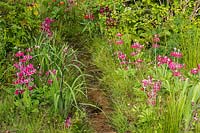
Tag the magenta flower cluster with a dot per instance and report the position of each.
(175, 67)
(50, 72)
(195, 70)
(137, 48)
(25, 72)
(46, 26)
(119, 41)
(151, 87)
(68, 121)
(156, 39)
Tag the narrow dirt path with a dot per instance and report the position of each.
(98, 119)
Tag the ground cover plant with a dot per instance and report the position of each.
(145, 54)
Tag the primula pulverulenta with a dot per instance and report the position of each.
(119, 42)
(155, 45)
(24, 74)
(175, 66)
(151, 87)
(147, 82)
(194, 71)
(163, 60)
(156, 38)
(19, 54)
(198, 66)
(121, 56)
(137, 46)
(119, 34)
(68, 121)
(176, 73)
(46, 26)
(89, 16)
(176, 53)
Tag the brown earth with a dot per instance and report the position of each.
(98, 117)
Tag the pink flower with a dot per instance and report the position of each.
(176, 73)
(122, 56)
(176, 54)
(16, 65)
(163, 60)
(54, 71)
(22, 91)
(175, 66)
(156, 38)
(17, 92)
(123, 63)
(50, 81)
(134, 53)
(198, 66)
(136, 46)
(68, 121)
(194, 71)
(101, 10)
(152, 94)
(48, 20)
(139, 61)
(30, 88)
(119, 34)
(147, 82)
(26, 58)
(89, 16)
(119, 42)
(19, 54)
(45, 26)
(47, 73)
(155, 46)
(152, 102)
(28, 50)
(156, 86)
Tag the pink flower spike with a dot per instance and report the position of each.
(137, 46)
(147, 82)
(54, 71)
(155, 46)
(17, 92)
(68, 121)
(176, 54)
(22, 91)
(119, 42)
(176, 73)
(16, 65)
(198, 66)
(30, 88)
(157, 86)
(134, 53)
(47, 73)
(156, 38)
(194, 71)
(123, 63)
(19, 54)
(119, 34)
(122, 56)
(28, 50)
(50, 81)
(139, 60)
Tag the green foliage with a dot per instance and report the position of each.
(19, 24)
